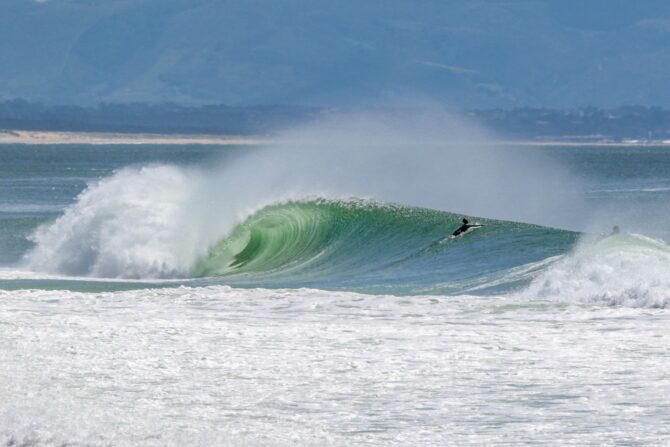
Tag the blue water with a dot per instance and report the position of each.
(355, 244)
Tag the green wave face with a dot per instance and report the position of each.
(276, 237)
(373, 247)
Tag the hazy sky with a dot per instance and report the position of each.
(475, 53)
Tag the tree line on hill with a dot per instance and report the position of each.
(19, 114)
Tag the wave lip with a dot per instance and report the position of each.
(622, 270)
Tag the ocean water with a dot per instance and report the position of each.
(157, 295)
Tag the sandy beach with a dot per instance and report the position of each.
(106, 138)
(56, 137)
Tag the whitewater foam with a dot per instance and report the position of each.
(625, 270)
(225, 366)
(133, 224)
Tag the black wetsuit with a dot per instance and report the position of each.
(465, 227)
(462, 229)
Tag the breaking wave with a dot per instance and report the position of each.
(151, 222)
(627, 269)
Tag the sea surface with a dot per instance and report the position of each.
(219, 295)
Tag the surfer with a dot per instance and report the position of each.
(615, 230)
(465, 227)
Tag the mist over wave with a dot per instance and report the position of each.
(420, 157)
(160, 220)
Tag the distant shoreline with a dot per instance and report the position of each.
(572, 143)
(39, 137)
(103, 138)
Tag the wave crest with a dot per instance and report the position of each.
(622, 270)
(128, 225)
(317, 235)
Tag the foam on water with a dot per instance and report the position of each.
(129, 225)
(215, 365)
(627, 270)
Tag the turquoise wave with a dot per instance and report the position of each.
(379, 248)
